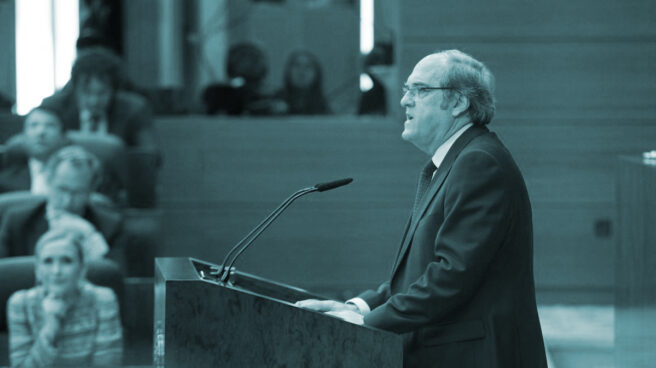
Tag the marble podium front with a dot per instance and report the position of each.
(253, 323)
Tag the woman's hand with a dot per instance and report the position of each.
(54, 311)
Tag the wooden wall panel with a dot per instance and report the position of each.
(568, 253)
(315, 245)
(221, 176)
(571, 160)
(264, 159)
(8, 54)
(561, 80)
(567, 20)
(141, 42)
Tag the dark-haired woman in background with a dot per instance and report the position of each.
(64, 320)
(302, 93)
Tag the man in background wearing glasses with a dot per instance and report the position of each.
(461, 288)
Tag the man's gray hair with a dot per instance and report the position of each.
(79, 158)
(472, 79)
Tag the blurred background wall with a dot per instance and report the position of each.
(575, 87)
(8, 54)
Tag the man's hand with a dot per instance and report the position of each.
(325, 305)
(347, 312)
(348, 316)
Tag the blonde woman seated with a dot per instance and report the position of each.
(64, 320)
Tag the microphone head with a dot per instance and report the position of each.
(332, 184)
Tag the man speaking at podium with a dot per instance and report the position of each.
(461, 289)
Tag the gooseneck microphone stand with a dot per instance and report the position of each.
(244, 243)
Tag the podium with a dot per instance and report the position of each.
(252, 322)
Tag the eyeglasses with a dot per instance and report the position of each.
(420, 91)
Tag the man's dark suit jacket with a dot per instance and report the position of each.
(462, 286)
(129, 116)
(22, 226)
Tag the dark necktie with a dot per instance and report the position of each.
(424, 182)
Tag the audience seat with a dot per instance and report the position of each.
(10, 199)
(10, 124)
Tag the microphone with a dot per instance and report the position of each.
(245, 242)
(332, 184)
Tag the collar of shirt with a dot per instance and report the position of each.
(441, 152)
(35, 165)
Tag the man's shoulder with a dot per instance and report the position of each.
(489, 143)
(487, 151)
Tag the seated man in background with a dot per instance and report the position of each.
(26, 155)
(92, 102)
(72, 174)
(43, 134)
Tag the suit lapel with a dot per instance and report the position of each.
(434, 187)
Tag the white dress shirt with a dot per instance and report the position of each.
(38, 177)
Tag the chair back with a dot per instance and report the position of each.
(10, 199)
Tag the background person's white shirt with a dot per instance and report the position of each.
(38, 177)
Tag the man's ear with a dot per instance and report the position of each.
(461, 105)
